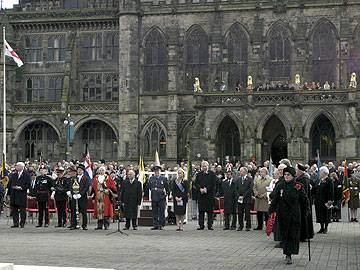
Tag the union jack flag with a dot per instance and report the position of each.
(87, 164)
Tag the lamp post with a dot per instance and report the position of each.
(69, 126)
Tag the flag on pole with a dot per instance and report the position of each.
(157, 159)
(346, 189)
(87, 164)
(4, 173)
(8, 51)
(270, 167)
(141, 170)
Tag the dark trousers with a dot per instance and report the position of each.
(244, 208)
(260, 218)
(15, 209)
(82, 211)
(158, 211)
(133, 222)
(227, 220)
(210, 219)
(61, 211)
(43, 209)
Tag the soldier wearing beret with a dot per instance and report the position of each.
(287, 197)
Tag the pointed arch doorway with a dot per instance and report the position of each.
(228, 140)
(274, 140)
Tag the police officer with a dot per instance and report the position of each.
(61, 185)
(159, 188)
(42, 189)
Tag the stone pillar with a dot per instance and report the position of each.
(255, 65)
(129, 71)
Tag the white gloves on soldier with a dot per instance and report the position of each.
(76, 196)
(69, 194)
(52, 195)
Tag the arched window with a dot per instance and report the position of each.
(197, 58)
(354, 59)
(324, 54)
(56, 49)
(322, 136)
(38, 140)
(155, 63)
(237, 46)
(100, 138)
(279, 54)
(155, 140)
(112, 47)
(91, 47)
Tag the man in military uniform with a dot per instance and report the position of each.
(205, 184)
(286, 199)
(354, 186)
(79, 186)
(42, 189)
(61, 185)
(19, 183)
(159, 188)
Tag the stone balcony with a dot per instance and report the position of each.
(276, 98)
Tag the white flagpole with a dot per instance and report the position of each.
(4, 98)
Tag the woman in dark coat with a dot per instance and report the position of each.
(338, 188)
(324, 196)
(287, 197)
(180, 192)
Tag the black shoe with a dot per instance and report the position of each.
(38, 226)
(98, 228)
(278, 245)
(321, 231)
(126, 228)
(233, 228)
(154, 228)
(325, 231)
(200, 229)
(247, 229)
(46, 225)
(355, 220)
(225, 229)
(257, 229)
(240, 229)
(58, 226)
(135, 228)
(161, 228)
(84, 228)
(15, 226)
(211, 229)
(288, 260)
(22, 226)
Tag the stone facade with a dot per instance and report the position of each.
(162, 46)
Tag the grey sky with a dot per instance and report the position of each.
(9, 3)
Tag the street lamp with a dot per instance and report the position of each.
(69, 125)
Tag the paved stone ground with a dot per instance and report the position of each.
(168, 249)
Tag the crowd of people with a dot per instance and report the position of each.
(287, 192)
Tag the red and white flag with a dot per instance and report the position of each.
(8, 51)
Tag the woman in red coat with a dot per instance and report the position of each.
(104, 188)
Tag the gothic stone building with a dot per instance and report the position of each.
(124, 71)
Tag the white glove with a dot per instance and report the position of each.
(69, 194)
(52, 195)
(54, 175)
(75, 196)
(78, 196)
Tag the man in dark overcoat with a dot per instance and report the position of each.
(230, 200)
(205, 184)
(244, 187)
(131, 195)
(19, 183)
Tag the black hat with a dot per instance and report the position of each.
(60, 169)
(81, 166)
(290, 170)
(102, 161)
(301, 167)
(156, 167)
